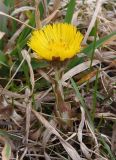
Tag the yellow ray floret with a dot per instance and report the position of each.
(57, 41)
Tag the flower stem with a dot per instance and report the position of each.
(62, 109)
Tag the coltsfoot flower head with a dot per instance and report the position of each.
(59, 41)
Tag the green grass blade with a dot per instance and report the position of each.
(107, 148)
(94, 43)
(95, 97)
(70, 11)
(76, 88)
(6, 152)
(89, 49)
(3, 60)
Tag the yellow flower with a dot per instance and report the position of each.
(58, 41)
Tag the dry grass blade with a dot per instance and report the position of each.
(111, 41)
(98, 7)
(11, 94)
(27, 104)
(24, 153)
(1, 34)
(70, 150)
(94, 137)
(28, 115)
(28, 59)
(5, 155)
(84, 148)
(79, 68)
(50, 17)
(87, 77)
(37, 14)
(44, 75)
(46, 156)
(47, 133)
(106, 115)
(74, 18)
(22, 9)
(16, 34)
(44, 94)
(56, 4)
(113, 143)
(6, 152)
(45, 8)
(17, 20)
